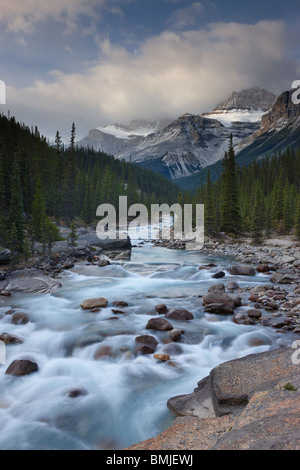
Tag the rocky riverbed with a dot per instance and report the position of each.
(138, 319)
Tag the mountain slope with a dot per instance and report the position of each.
(191, 142)
(115, 138)
(280, 129)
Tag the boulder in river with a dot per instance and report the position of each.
(179, 314)
(120, 303)
(162, 357)
(161, 309)
(146, 344)
(22, 367)
(254, 314)
(218, 275)
(77, 392)
(219, 297)
(242, 318)
(220, 287)
(104, 351)
(160, 324)
(232, 285)
(20, 318)
(175, 335)
(10, 339)
(89, 304)
(219, 308)
(242, 271)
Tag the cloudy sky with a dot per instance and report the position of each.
(96, 62)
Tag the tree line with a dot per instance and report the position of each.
(256, 200)
(42, 185)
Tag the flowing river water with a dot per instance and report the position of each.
(124, 395)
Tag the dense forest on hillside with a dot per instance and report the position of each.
(259, 199)
(41, 184)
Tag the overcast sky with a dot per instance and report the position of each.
(97, 62)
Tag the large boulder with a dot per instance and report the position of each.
(20, 318)
(7, 338)
(22, 367)
(31, 281)
(161, 309)
(89, 304)
(219, 308)
(160, 324)
(146, 344)
(107, 245)
(219, 297)
(179, 314)
(242, 271)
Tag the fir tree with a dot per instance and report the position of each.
(50, 233)
(73, 237)
(257, 220)
(297, 219)
(38, 212)
(209, 212)
(230, 206)
(16, 216)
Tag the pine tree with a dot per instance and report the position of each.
(16, 216)
(73, 237)
(257, 220)
(50, 233)
(209, 212)
(38, 213)
(230, 205)
(73, 135)
(297, 219)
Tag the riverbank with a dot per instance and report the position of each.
(251, 403)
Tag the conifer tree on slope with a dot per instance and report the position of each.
(16, 217)
(209, 211)
(230, 206)
(257, 219)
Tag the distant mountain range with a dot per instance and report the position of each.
(183, 148)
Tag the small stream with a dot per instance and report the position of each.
(123, 396)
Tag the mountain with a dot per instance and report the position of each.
(188, 144)
(279, 129)
(115, 138)
(255, 98)
(191, 142)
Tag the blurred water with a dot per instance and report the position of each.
(124, 396)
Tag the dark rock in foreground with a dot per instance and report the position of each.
(22, 367)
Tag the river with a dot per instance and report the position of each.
(123, 396)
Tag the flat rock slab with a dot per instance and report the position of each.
(29, 281)
(233, 382)
(198, 404)
(269, 411)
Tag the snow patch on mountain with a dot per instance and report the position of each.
(236, 115)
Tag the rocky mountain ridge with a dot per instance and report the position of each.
(184, 146)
